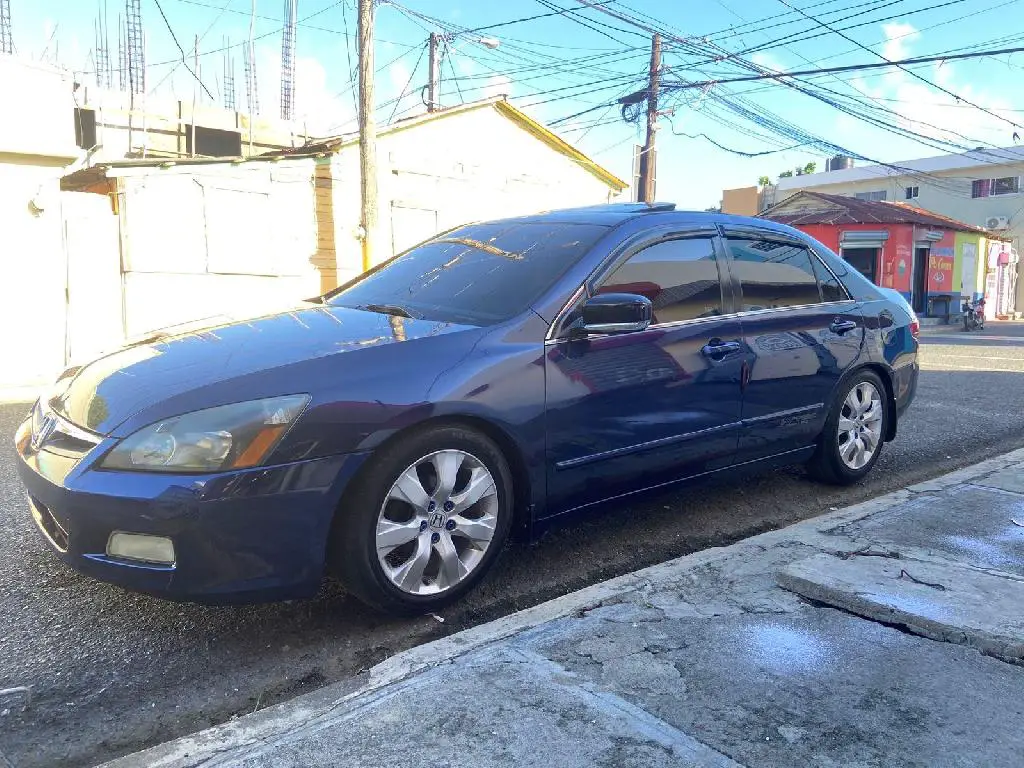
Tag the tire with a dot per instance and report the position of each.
(837, 460)
(430, 553)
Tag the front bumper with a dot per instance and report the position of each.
(251, 535)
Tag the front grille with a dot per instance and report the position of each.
(58, 435)
(48, 524)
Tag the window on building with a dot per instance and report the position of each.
(773, 274)
(1007, 185)
(911, 193)
(85, 128)
(874, 196)
(213, 142)
(680, 277)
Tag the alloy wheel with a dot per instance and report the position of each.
(437, 522)
(860, 425)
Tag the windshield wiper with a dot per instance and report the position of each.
(387, 309)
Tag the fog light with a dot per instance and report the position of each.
(139, 546)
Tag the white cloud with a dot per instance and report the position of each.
(928, 110)
(768, 62)
(321, 108)
(898, 35)
(398, 76)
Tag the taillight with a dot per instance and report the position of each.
(915, 329)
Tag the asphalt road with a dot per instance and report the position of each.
(112, 672)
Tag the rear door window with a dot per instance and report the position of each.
(680, 277)
(773, 274)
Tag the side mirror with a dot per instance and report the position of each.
(616, 313)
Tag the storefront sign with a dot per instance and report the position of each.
(940, 271)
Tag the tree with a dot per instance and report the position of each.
(786, 174)
(810, 168)
(764, 181)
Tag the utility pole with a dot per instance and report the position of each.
(367, 134)
(648, 159)
(434, 86)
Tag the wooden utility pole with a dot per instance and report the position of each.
(367, 134)
(648, 159)
(434, 86)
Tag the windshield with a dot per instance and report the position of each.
(479, 274)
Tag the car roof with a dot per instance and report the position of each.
(613, 214)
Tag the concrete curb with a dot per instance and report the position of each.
(279, 719)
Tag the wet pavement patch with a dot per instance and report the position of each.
(975, 525)
(815, 687)
(937, 600)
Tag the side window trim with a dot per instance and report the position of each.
(704, 234)
(747, 233)
(632, 247)
(619, 255)
(819, 262)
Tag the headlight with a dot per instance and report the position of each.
(227, 437)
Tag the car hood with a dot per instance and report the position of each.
(107, 391)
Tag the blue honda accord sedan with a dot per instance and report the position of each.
(396, 431)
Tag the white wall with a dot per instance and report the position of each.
(215, 240)
(466, 167)
(32, 277)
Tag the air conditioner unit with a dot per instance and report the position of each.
(997, 222)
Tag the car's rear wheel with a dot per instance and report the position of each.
(854, 432)
(426, 520)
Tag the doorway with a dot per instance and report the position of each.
(919, 288)
(864, 260)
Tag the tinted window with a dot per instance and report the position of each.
(773, 274)
(680, 277)
(479, 274)
(831, 288)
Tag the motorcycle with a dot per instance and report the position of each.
(974, 314)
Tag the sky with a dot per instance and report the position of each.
(568, 68)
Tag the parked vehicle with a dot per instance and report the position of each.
(487, 382)
(974, 314)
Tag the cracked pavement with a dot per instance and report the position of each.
(703, 661)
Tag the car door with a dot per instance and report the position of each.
(802, 334)
(634, 410)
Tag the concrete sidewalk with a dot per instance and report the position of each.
(895, 638)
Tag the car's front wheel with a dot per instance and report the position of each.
(854, 432)
(425, 521)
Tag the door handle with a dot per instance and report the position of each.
(841, 326)
(717, 350)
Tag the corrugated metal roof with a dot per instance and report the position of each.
(838, 209)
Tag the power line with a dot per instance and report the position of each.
(174, 37)
(412, 74)
(790, 38)
(904, 69)
(847, 68)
